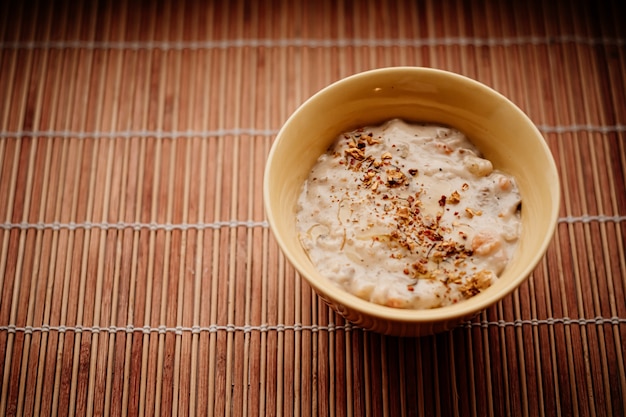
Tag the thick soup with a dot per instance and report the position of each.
(408, 215)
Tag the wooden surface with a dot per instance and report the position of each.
(138, 275)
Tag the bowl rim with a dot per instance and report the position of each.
(464, 309)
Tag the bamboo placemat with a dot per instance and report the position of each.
(137, 272)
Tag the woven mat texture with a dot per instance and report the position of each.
(138, 275)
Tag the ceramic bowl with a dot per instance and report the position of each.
(501, 131)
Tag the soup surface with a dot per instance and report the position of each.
(408, 215)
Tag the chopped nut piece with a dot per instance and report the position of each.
(454, 279)
(471, 213)
(478, 282)
(356, 153)
(454, 198)
(420, 268)
(395, 178)
(404, 213)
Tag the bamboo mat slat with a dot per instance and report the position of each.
(138, 275)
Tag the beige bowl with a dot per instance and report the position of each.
(494, 124)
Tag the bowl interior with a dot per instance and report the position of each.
(496, 126)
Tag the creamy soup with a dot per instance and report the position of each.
(408, 215)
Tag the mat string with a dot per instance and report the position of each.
(188, 134)
(168, 227)
(317, 43)
(298, 327)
